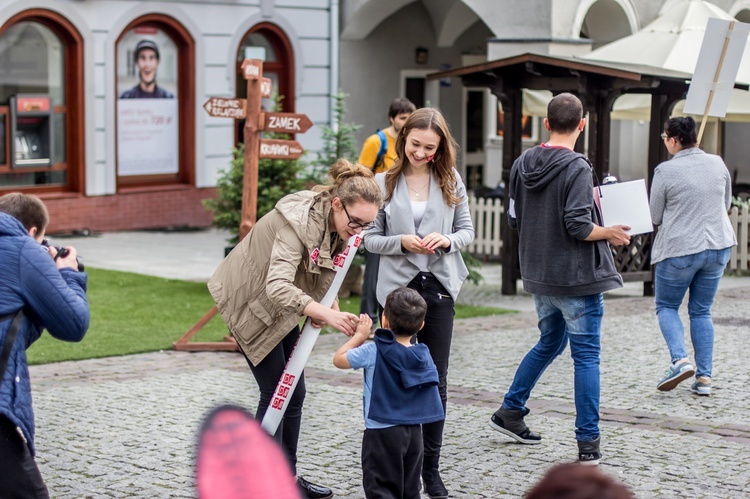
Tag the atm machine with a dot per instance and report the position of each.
(31, 131)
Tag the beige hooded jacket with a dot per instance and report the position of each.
(285, 262)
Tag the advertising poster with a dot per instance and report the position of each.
(147, 112)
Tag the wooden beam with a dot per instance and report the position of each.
(512, 103)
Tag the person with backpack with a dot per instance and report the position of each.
(39, 288)
(379, 154)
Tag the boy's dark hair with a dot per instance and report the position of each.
(405, 310)
(399, 106)
(26, 208)
(564, 113)
(573, 480)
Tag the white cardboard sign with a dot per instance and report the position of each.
(708, 61)
(625, 203)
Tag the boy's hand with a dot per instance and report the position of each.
(364, 326)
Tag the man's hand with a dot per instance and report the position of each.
(617, 235)
(69, 260)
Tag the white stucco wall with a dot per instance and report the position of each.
(371, 68)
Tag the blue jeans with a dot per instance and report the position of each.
(563, 319)
(700, 273)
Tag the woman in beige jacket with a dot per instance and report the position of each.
(279, 273)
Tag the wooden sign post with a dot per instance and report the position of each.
(255, 148)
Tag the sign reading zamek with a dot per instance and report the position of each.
(280, 149)
(286, 123)
(220, 107)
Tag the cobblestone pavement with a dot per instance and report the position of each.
(126, 426)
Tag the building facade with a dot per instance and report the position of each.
(383, 40)
(104, 155)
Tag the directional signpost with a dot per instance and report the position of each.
(256, 121)
(286, 122)
(280, 149)
(225, 108)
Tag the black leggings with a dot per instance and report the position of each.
(267, 374)
(436, 334)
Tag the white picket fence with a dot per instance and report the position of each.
(741, 223)
(487, 217)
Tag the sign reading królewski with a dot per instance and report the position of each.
(147, 134)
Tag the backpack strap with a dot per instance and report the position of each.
(10, 338)
(381, 152)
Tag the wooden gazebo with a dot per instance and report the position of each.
(598, 85)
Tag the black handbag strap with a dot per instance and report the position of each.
(10, 338)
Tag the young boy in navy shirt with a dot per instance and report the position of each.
(400, 394)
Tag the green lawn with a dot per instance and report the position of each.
(133, 313)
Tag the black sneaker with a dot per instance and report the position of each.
(313, 491)
(588, 452)
(510, 422)
(433, 484)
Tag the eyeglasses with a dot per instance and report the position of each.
(356, 225)
(664, 136)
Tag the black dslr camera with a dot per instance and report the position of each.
(62, 253)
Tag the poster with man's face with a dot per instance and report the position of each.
(147, 111)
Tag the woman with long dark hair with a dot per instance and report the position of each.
(419, 233)
(690, 196)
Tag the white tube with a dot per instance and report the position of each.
(306, 342)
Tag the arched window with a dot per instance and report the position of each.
(41, 104)
(155, 103)
(278, 66)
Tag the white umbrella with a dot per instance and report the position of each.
(672, 41)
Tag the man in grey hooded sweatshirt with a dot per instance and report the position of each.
(566, 264)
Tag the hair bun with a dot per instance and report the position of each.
(343, 169)
(687, 125)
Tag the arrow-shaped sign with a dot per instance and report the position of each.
(280, 149)
(286, 123)
(221, 107)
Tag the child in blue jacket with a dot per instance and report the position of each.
(400, 394)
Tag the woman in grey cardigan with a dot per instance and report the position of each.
(419, 234)
(690, 196)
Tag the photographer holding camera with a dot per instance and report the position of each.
(40, 287)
